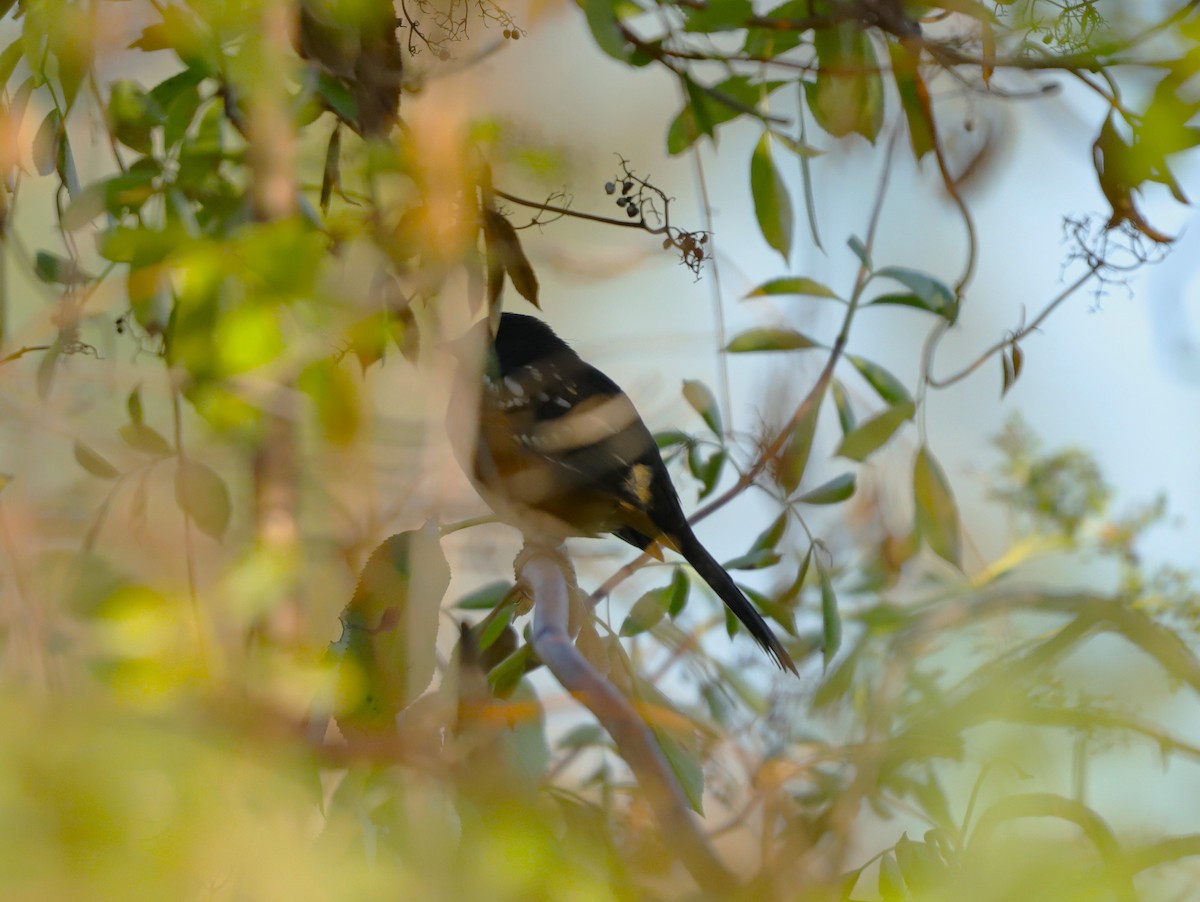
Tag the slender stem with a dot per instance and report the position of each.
(1018, 335)
(717, 301)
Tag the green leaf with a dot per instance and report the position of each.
(840, 680)
(914, 99)
(921, 866)
(769, 537)
(582, 736)
(646, 612)
(927, 292)
(179, 96)
(792, 593)
(493, 628)
(777, 609)
(334, 393)
(891, 881)
(657, 603)
(844, 411)
(140, 246)
(167, 91)
(794, 285)
(504, 677)
(602, 20)
(755, 559)
(203, 496)
(85, 206)
(806, 179)
(131, 114)
(863, 441)
(717, 15)
(685, 762)
(678, 745)
(772, 204)
(701, 400)
(94, 463)
(793, 459)
(859, 250)
(130, 190)
(154, 37)
(56, 270)
(798, 147)
(837, 489)
(9, 59)
(847, 95)
(702, 115)
(338, 97)
(46, 143)
(831, 620)
(773, 42)
(937, 513)
(485, 598)
(708, 472)
(389, 629)
(678, 597)
(769, 340)
(669, 438)
(145, 439)
(708, 107)
(846, 883)
(885, 384)
(133, 404)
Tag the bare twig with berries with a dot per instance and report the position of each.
(641, 200)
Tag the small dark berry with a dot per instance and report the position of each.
(507, 33)
(667, 242)
(704, 238)
(627, 187)
(631, 211)
(622, 201)
(609, 187)
(516, 35)
(699, 254)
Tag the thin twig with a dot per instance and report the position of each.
(1012, 339)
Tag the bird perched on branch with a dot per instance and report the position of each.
(561, 451)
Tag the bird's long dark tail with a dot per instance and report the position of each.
(721, 583)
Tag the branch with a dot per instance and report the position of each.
(1041, 804)
(999, 346)
(543, 572)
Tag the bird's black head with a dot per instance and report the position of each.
(522, 340)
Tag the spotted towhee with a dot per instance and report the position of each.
(561, 451)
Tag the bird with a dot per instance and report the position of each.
(560, 451)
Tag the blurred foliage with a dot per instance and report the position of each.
(220, 268)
